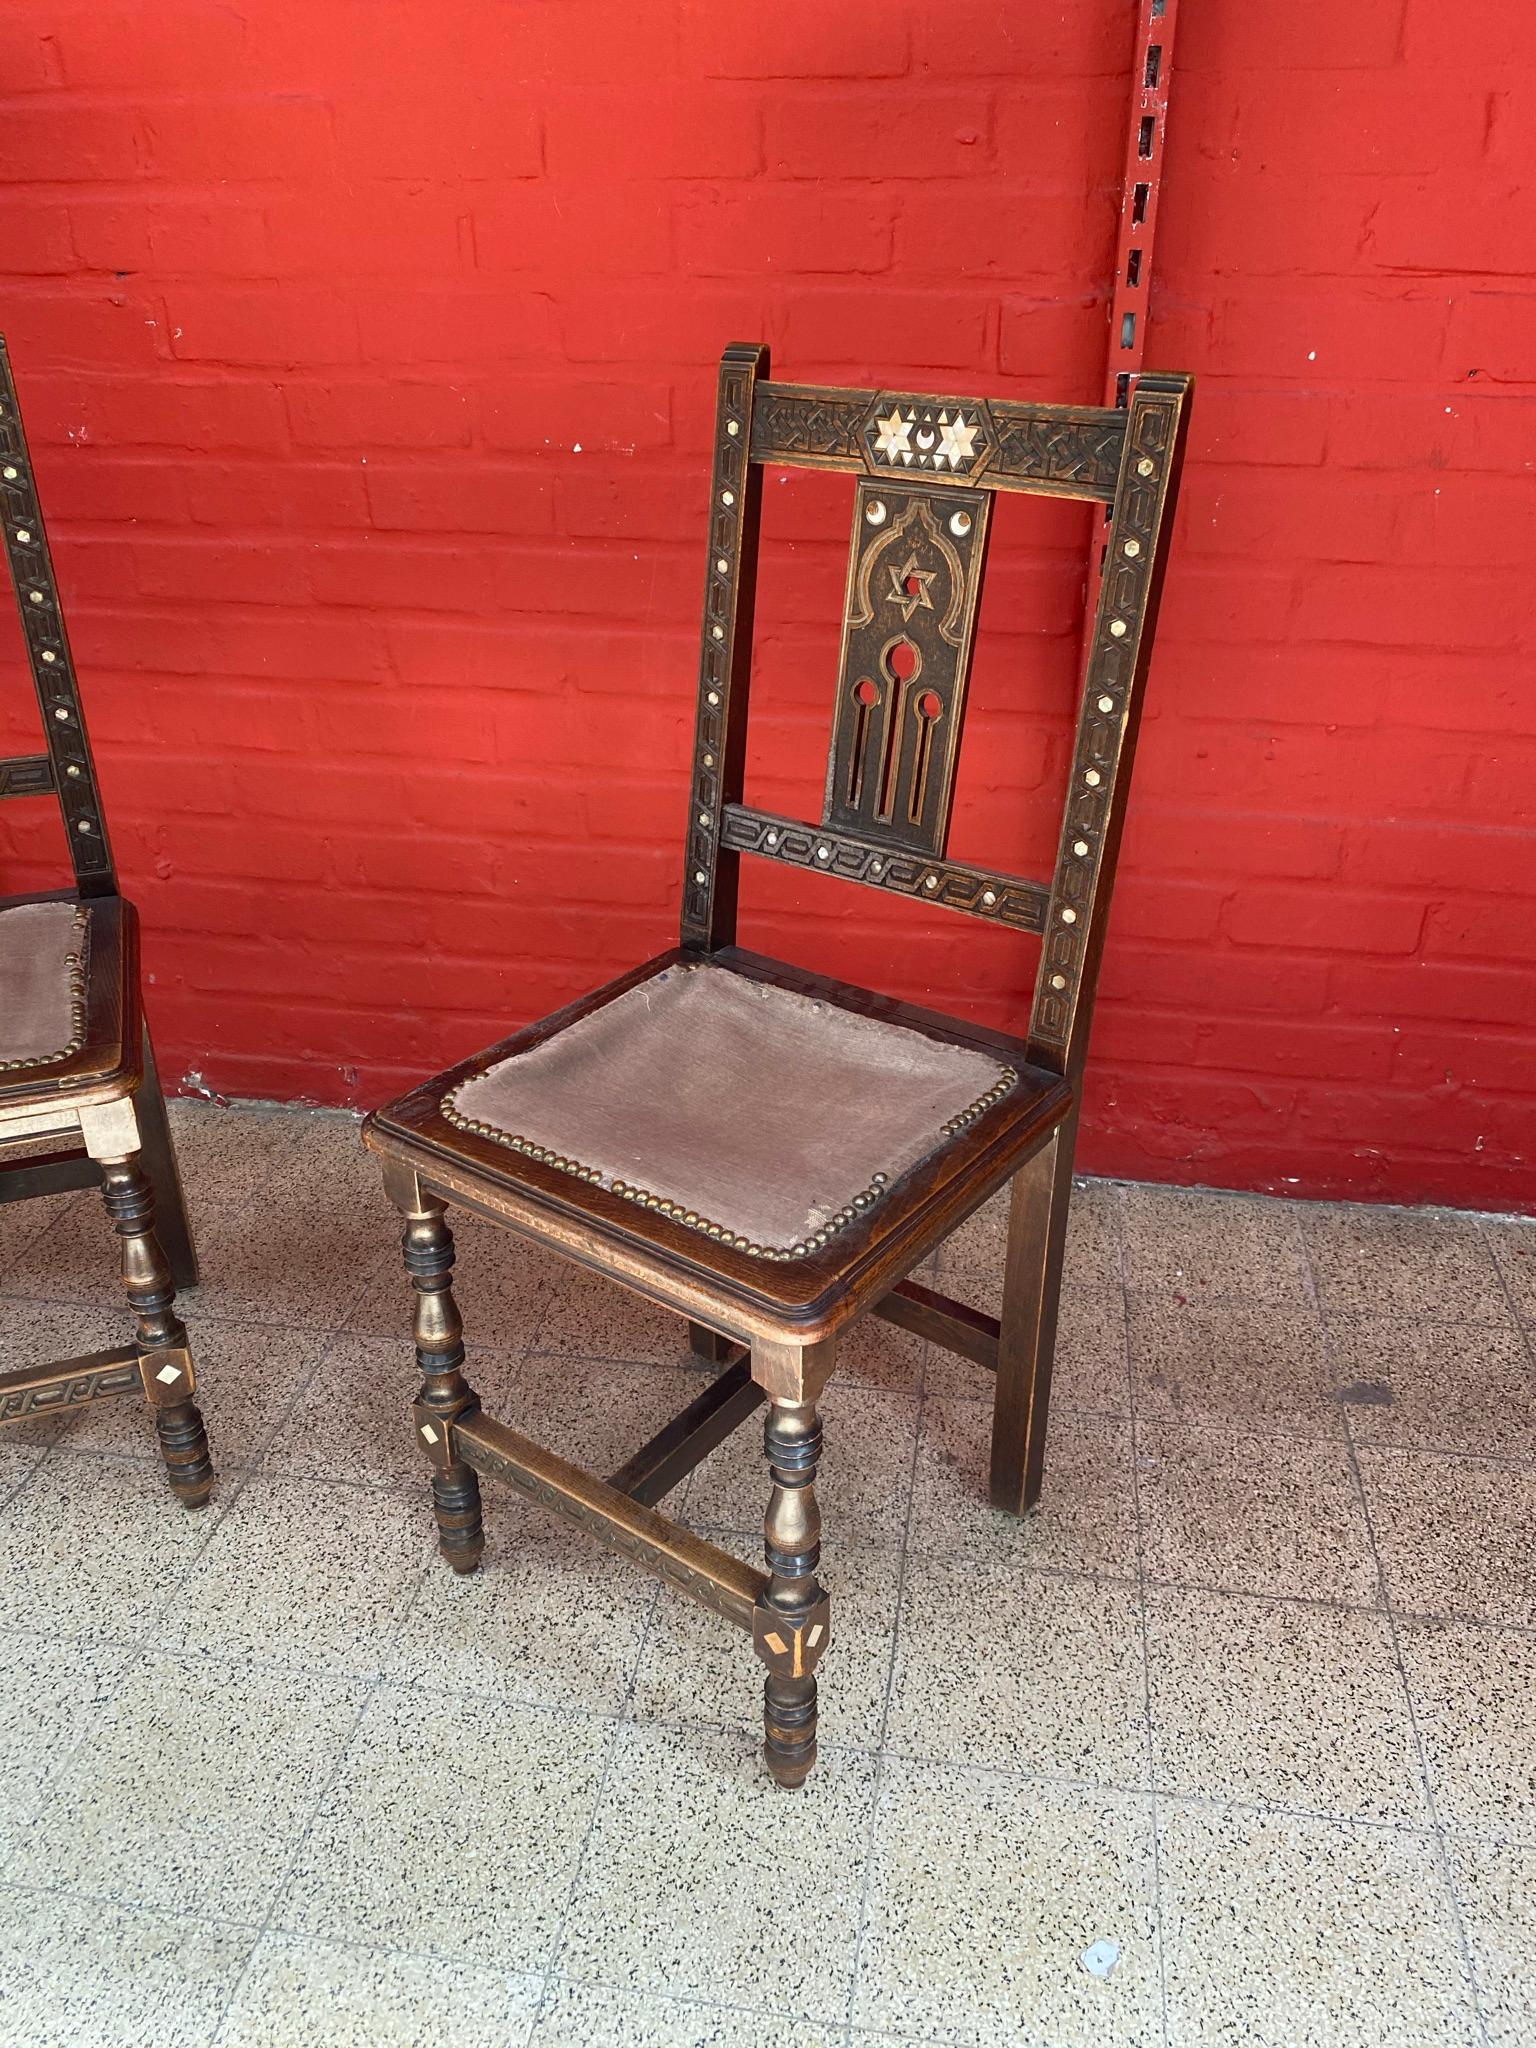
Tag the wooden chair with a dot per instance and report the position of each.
(769, 1153)
(75, 1057)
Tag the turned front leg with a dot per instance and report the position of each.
(165, 1362)
(445, 1394)
(791, 1626)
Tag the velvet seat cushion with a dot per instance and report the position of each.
(766, 1117)
(42, 979)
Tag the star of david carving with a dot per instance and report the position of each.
(902, 595)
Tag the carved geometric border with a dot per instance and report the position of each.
(26, 548)
(979, 892)
(1111, 672)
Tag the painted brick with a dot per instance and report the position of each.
(385, 567)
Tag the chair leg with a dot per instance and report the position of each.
(708, 1346)
(159, 1157)
(445, 1394)
(1037, 1234)
(165, 1362)
(791, 1627)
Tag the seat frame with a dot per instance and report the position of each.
(103, 1102)
(773, 1328)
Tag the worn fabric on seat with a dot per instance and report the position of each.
(765, 1116)
(42, 983)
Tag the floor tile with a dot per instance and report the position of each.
(1273, 1514)
(94, 1547)
(1085, 1521)
(303, 1261)
(1092, 1259)
(192, 1790)
(228, 1154)
(38, 1332)
(696, 1669)
(1513, 1244)
(1496, 1886)
(591, 2016)
(452, 1829)
(1188, 1245)
(985, 1894)
(76, 1973)
(549, 1619)
(1089, 1370)
(599, 1411)
(21, 1223)
(1435, 1386)
(19, 1464)
(587, 1315)
(353, 1421)
(875, 1353)
(338, 1997)
(500, 1281)
(1455, 1535)
(1016, 1670)
(1409, 1262)
(1297, 1933)
(51, 1696)
(1474, 1699)
(309, 1577)
(75, 1258)
(1280, 1702)
(1231, 1364)
(864, 1482)
(721, 1914)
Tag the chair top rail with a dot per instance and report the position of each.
(1063, 451)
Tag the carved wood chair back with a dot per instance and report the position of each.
(927, 469)
(76, 1060)
(66, 770)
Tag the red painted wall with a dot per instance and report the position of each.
(367, 351)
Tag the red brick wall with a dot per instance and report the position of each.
(367, 350)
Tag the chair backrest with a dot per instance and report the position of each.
(927, 468)
(66, 771)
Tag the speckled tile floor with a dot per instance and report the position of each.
(1234, 1740)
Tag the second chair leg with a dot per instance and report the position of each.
(1037, 1234)
(445, 1393)
(158, 1156)
(791, 1628)
(165, 1362)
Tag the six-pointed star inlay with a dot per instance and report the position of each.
(909, 587)
(895, 436)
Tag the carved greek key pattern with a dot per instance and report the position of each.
(75, 1385)
(31, 566)
(721, 589)
(1001, 899)
(914, 578)
(1059, 450)
(1114, 662)
(735, 1601)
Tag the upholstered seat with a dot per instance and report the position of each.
(69, 998)
(756, 1113)
(782, 1132)
(42, 970)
